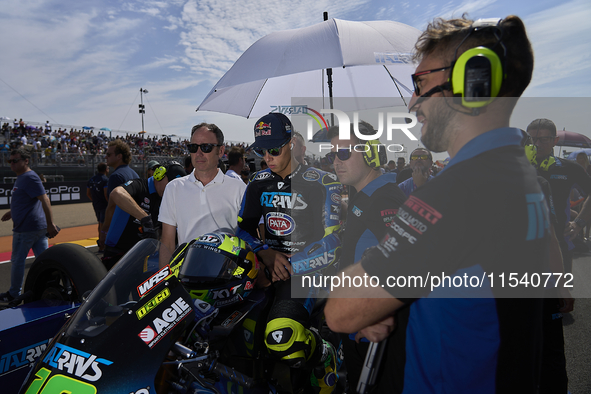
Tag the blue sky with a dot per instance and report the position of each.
(83, 63)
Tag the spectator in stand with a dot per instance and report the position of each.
(421, 162)
(118, 157)
(30, 211)
(47, 128)
(263, 165)
(96, 190)
(235, 162)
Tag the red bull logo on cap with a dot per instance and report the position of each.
(261, 129)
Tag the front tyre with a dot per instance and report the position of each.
(64, 272)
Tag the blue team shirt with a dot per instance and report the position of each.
(122, 174)
(25, 208)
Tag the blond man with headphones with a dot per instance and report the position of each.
(467, 333)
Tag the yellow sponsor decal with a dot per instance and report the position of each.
(153, 303)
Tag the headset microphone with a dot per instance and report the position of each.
(436, 89)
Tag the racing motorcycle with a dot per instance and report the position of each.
(194, 326)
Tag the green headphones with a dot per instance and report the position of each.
(477, 75)
(159, 173)
(531, 152)
(373, 155)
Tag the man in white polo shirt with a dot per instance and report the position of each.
(203, 201)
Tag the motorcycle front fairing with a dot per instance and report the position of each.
(119, 337)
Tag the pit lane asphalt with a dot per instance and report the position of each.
(78, 223)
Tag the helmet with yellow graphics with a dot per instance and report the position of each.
(218, 268)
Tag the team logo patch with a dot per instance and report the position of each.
(262, 175)
(146, 200)
(311, 175)
(262, 128)
(336, 198)
(279, 223)
(210, 239)
(356, 211)
(280, 185)
(423, 209)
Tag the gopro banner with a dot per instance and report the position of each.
(58, 193)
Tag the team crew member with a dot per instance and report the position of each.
(471, 342)
(369, 215)
(300, 209)
(562, 175)
(132, 206)
(420, 165)
(118, 156)
(204, 201)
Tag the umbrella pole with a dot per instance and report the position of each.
(329, 81)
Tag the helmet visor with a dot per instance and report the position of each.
(205, 265)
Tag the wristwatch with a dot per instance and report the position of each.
(580, 222)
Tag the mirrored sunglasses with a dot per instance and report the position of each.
(420, 157)
(260, 152)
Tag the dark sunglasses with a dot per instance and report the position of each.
(14, 161)
(415, 78)
(543, 140)
(260, 152)
(205, 148)
(421, 157)
(342, 154)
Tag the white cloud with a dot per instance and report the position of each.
(560, 39)
(216, 33)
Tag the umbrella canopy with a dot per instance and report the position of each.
(370, 59)
(105, 129)
(570, 138)
(573, 155)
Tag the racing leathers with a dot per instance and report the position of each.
(301, 218)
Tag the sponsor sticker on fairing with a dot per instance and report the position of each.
(153, 280)
(76, 362)
(162, 325)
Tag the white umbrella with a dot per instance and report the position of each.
(370, 59)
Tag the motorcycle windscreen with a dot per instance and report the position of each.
(117, 340)
(203, 264)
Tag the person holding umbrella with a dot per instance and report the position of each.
(462, 339)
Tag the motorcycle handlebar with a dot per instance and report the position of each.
(231, 374)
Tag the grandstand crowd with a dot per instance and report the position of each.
(53, 146)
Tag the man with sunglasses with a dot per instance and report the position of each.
(466, 338)
(371, 209)
(205, 200)
(300, 207)
(30, 211)
(133, 211)
(420, 165)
